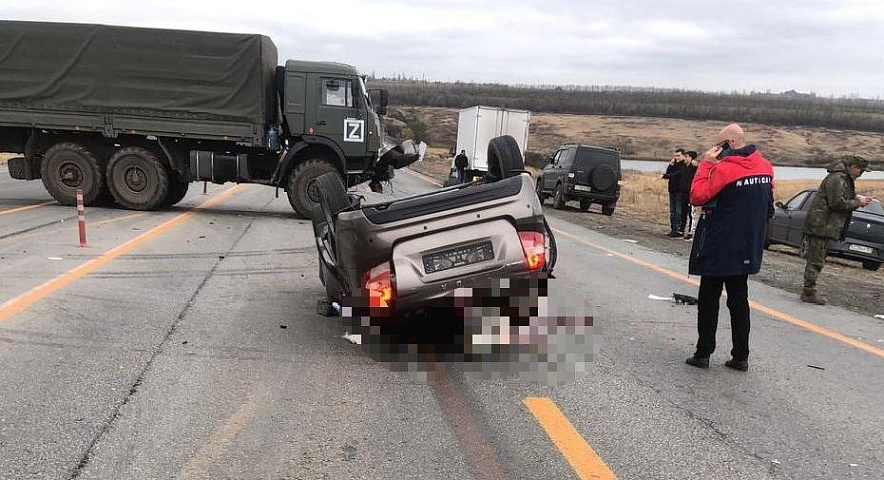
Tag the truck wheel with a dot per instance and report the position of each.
(585, 204)
(608, 209)
(68, 166)
(504, 157)
(870, 265)
(559, 198)
(137, 178)
(177, 191)
(603, 177)
(301, 187)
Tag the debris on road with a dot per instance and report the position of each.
(355, 339)
(685, 299)
(54, 258)
(629, 240)
(665, 299)
(816, 367)
(880, 316)
(283, 327)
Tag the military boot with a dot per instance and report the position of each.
(813, 298)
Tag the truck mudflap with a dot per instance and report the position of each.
(21, 169)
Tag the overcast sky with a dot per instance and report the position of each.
(824, 46)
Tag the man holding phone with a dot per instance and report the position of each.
(829, 217)
(734, 185)
(675, 172)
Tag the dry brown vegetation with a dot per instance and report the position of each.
(655, 138)
(6, 156)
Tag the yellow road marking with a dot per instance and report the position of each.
(26, 207)
(25, 300)
(785, 317)
(197, 466)
(583, 459)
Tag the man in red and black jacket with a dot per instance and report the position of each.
(734, 184)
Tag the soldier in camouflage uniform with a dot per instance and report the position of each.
(829, 217)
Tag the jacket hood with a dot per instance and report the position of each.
(836, 166)
(747, 157)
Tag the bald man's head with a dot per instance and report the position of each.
(733, 134)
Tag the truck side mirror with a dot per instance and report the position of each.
(379, 99)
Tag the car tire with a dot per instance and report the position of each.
(301, 188)
(585, 204)
(559, 198)
(177, 192)
(332, 199)
(504, 158)
(870, 265)
(608, 208)
(68, 166)
(137, 179)
(603, 177)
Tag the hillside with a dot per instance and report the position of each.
(649, 138)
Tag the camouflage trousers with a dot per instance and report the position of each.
(816, 259)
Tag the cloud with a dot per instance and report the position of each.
(827, 46)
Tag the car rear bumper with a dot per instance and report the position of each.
(577, 191)
(850, 249)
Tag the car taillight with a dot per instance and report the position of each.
(534, 248)
(378, 282)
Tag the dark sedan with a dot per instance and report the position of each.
(865, 235)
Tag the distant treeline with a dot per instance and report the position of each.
(789, 108)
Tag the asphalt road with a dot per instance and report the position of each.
(185, 344)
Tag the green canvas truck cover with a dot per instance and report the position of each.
(137, 71)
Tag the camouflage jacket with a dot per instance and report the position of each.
(833, 205)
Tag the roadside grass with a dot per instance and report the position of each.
(6, 156)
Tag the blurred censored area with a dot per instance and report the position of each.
(502, 328)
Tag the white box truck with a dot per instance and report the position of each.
(476, 126)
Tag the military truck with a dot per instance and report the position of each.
(134, 115)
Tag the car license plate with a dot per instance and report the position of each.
(582, 188)
(458, 257)
(860, 248)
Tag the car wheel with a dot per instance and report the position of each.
(68, 166)
(870, 265)
(608, 209)
(585, 204)
(504, 158)
(559, 198)
(137, 179)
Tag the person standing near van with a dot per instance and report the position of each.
(734, 183)
(461, 162)
(674, 173)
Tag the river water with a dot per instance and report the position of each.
(780, 173)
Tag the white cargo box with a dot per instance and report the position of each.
(476, 126)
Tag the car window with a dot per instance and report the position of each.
(797, 200)
(874, 207)
(556, 158)
(568, 157)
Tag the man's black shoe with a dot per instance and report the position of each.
(741, 365)
(699, 362)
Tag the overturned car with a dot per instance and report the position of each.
(408, 254)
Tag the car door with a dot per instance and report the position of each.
(798, 207)
(549, 172)
(566, 164)
(779, 224)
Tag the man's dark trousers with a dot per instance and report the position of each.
(675, 202)
(707, 314)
